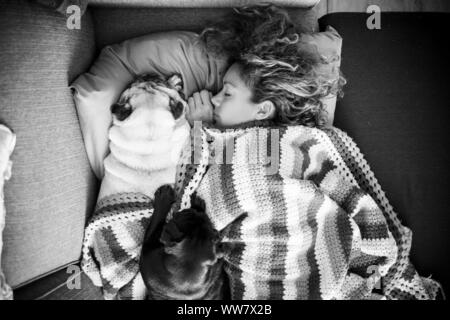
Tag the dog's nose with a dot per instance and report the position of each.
(177, 108)
(121, 111)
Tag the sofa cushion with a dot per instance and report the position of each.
(114, 25)
(52, 188)
(396, 107)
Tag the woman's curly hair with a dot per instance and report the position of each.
(275, 63)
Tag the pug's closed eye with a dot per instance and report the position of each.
(121, 111)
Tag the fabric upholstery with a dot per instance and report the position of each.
(198, 3)
(396, 107)
(114, 25)
(69, 283)
(61, 6)
(52, 188)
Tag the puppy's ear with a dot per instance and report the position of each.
(215, 236)
(177, 108)
(176, 82)
(197, 203)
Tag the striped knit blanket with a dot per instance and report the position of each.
(112, 245)
(300, 213)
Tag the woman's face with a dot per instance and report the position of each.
(233, 105)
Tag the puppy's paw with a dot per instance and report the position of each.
(165, 194)
(197, 203)
(176, 82)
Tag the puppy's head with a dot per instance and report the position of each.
(143, 95)
(192, 239)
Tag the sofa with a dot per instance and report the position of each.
(395, 107)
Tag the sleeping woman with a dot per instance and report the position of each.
(306, 230)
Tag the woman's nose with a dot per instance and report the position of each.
(216, 100)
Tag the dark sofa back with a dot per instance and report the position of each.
(397, 106)
(116, 24)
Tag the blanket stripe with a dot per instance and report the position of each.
(338, 237)
(402, 282)
(317, 228)
(112, 245)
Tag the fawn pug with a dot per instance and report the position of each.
(147, 135)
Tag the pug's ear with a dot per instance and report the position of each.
(175, 82)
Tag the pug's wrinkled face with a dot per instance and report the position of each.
(144, 93)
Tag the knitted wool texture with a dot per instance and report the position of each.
(317, 227)
(112, 245)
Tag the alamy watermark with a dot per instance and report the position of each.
(74, 17)
(375, 275)
(74, 280)
(374, 20)
(262, 147)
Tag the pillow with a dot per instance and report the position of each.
(7, 144)
(163, 53)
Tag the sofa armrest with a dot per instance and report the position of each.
(52, 189)
(68, 283)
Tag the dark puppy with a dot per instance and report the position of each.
(180, 259)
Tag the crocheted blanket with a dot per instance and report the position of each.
(112, 245)
(310, 223)
(301, 214)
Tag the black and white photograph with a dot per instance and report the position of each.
(249, 153)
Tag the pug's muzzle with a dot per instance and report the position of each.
(148, 82)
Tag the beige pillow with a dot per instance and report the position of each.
(163, 53)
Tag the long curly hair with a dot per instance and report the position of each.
(275, 63)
